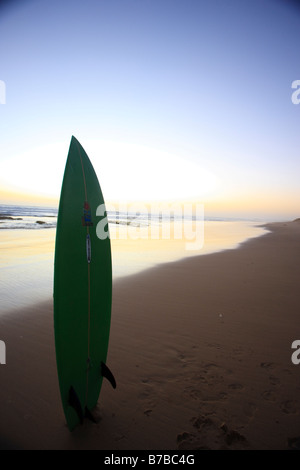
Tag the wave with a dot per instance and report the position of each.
(39, 217)
(27, 217)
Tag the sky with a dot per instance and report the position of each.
(186, 100)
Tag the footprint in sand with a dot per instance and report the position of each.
(188, 441)
(213, 374)
(274, 380)
(269, 395)
(181, 357)
(195, 394)
(210, 435)
(202, 422)
(267, 365)
(289, 407)
(205, 437)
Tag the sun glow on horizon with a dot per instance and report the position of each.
(125, 171)
(135, 173)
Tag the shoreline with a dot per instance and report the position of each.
(200, 348)
(27, 256)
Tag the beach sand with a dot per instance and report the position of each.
(200, 348)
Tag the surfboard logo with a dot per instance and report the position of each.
(88, 248)
(87, 215)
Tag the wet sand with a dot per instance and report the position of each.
(200, 348)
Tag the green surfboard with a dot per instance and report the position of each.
(82, 288)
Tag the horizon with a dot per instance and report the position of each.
(172, 101)
(164, 209)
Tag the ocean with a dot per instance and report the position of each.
(39, 217)
(139, 241)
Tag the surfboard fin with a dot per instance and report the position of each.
(106, 372)
(74, 402)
